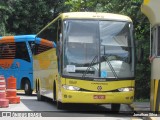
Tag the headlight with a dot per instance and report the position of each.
(67, 87)
(125, 89)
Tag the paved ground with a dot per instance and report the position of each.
(141, 106)
(30, 103)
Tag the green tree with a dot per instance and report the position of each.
(5, 12)
(28, 16)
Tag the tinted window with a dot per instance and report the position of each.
(22, 51)
(41, 48)
(7, 50)
(14, 51)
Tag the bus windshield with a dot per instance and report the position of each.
(98, 49)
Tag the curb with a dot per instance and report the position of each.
(151, 118)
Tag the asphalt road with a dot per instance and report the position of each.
(29, 104)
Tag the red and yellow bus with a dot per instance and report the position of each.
(93, 62)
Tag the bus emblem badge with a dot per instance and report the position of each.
(99, 88)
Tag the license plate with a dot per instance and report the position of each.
(99, 97)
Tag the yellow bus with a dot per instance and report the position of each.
(93, 62)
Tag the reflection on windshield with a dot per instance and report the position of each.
(83, 40)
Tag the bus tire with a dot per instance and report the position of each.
(54, 92)
(40, 97)
(27, 87)
(115, 107)
(36, 86)
(59, 105)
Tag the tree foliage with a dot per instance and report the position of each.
(29, 16)
(5, 12)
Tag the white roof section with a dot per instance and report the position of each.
(95, 15)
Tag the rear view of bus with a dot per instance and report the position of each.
(16, 60)
(96, 59)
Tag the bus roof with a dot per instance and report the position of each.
(45, 42)
(95, 15)
(17, 38)
(89, 15)
(21, 38)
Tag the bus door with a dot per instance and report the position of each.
(25, 67)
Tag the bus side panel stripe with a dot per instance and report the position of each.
(158, 97)
(7, 39)
(155, 96)
(46, 42)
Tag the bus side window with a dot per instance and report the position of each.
(39, 48)
(32, 46)
(158, 39)
(59, 32)
(22, 51)
(7, 50)
(36, 49)
(59, 43)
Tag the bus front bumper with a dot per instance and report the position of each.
(96, 97)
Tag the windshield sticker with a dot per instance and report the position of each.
(103, 74)
(71, 68)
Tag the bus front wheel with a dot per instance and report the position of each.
(115, 107)
(54, 92)
(27, 88)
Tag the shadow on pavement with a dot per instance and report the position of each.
(70, 110)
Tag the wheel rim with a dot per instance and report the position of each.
(26, 87)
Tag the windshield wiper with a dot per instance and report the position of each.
(84, 74)
(111, 67)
